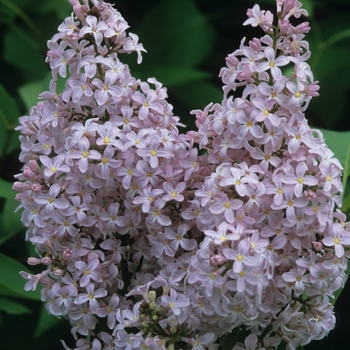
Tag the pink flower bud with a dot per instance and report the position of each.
(317, 246)
(46, 260)
(28, 174)
(193, 134)
(20, 186)
(312, 89)
(309, 194)
(255, 44)
(33, 164)
(58, 272)
(20, 196)
(218, 259)
(37, 188)
(231, 61)
(302, 28)
(67, 254)
(33, 261)
(284, 25)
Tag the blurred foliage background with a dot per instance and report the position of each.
(187, 42)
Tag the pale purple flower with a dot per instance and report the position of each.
(51, 200)
(88, 270)
(110, 311)
(299, 180)
(94, 28)
(173, 192)
(337, 239)
(153, 152)
(240, 257)
(91, 297)
(273, 63)
(106, 88)
(78, 89)
(113, 220)
(148, 102)
(227, 207)
(175, 302)
(132, 45)
(33, 280)
(84, 154)
(54, 165)
(298, 277)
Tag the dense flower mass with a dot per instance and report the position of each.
(153, 239)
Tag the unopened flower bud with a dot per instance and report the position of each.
(33, 261)
(218, 259)
(284, 25)
(67, 254)
(152, 306)
(37, 188)
(46, 260)
(317, 246)
(302, 28)
(20, 186)
(29, 174)
(310, 194)
(58, 272)
(33, 164)
(152, 295)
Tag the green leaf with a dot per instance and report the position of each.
(61, 8)
(6, 190)
(9, 114)
(11, 220)
(345, 208)
(339, 143)
(173, 76)
(11, 282)
(16, 47)
(13, 307)
(175, 47)
(8, 109)
(188, 94)
(29, 93)
(308, 5)
(46, 321)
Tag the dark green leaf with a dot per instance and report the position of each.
(62, 8)
(6, 190)
(339, 143)
(173, 76)
(186, 37)
(16, 48)
(13, 307)
(345, 208)
(197, 98)
(11, 282)
(11, 220)
(8, 109)
(46, 322)
(29, 93)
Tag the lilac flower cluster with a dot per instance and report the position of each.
(153, 239)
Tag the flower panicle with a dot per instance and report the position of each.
(154, 239)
